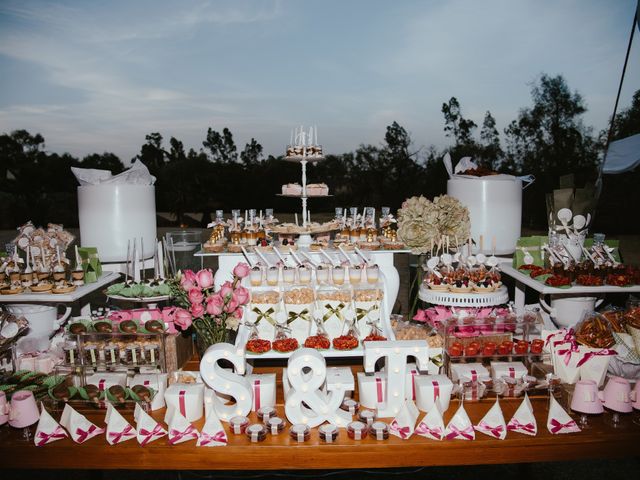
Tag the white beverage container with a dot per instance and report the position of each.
(111, 215)
(495, 209)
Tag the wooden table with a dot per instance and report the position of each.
(281, 453)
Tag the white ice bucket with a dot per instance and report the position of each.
(111, 215)
(495, 208)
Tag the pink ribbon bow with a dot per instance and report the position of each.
(157, 431)
(403, 432)
(423, 429)
(84, 434)
(556, 426)
(567, 352)
(206, 439)
(550, 336)
(117, 437)
(569, 337)
(176, 435)
(515, 425)
(464, 433)
(44, 438)
(493, 431)
(587, 356)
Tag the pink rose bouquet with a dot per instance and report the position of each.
(212, 313)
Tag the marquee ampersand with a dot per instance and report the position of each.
(306, 371)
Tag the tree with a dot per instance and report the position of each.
(491, 153)
(549, 140)
(627, 122)
(252, 153)
(456, 125)
(152, 153)
(222, 148)
(176, 152)
(104, 161)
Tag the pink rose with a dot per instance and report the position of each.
(226, 289)
(241, 295)
(188, 280)
(231, 306)
(197, 310)
(214, 305)
(205, 278)
(182, 318)
(195, 296)
(238, 313)
(241, 270)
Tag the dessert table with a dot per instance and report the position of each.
(524, 281)
(281, 453)
(383, 258)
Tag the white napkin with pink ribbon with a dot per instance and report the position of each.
(180, 430)
(460, 427)
(559, 420)
(493, 423)
(432, 424)
(118, 429)
(148, 429)
(523, 421)
(48, 429)
(404, 424)
(212, 434)
(78, 426)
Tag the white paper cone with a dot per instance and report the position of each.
(180, 430)
(432, 424)
(148, 429)
(78, 426)
(523, 421)
(559, 420)
(118, 429)
(493, 424)
(48, 429)
(459, 427)
(404, 424)
(212, 434)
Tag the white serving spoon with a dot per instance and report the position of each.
(565, 215)
(579, 222)
(528, 258)
(264, 259)
(328, 257)
(246, 256)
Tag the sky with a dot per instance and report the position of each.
(94, 76)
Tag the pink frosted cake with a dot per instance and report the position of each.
(292, 189)
(317, 190)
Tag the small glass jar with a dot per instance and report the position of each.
(152, 354)
(70, 350)
(322, 274)
(300, 432)
(265, 413)
(288, 275)
(275, 425)
(255, 276)
(337, 275)
(132, 355)
(355, 275)
(238, 424)
(256, 432)
(350, 405)
(357, 430)
(91, 356)
(305, 275)
(272, 276)
(111, 353)
(373, 273)
(379, 431)
(367, 416)
(328, 433)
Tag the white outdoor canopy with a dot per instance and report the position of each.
(623, 155)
